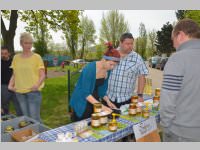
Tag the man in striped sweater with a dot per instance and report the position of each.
(180, 96)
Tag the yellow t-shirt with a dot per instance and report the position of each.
(26, 71)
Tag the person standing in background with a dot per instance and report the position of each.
(123, 77)
(6, 95)
(28, 78)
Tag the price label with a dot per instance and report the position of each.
(144, 128)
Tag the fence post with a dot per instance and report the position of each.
(69, 90)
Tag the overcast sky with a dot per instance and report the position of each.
(153, 19)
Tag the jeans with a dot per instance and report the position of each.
(30, 104)
(6, 97)
(169, 136)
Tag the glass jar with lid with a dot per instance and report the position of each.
(112, 126)
(97, 107)
(146, 113)
(132, 109)
(134, 99)
(157, 92)
(95, 121)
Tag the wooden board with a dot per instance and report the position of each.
(151, 137)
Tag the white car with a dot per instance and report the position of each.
(79, 61)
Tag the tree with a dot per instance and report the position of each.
(191, 14)
(100, 48)
(180, 14)
(68, 22)
(194, 15)
(113, 25)
(142, 40)
(152, 38)
(164, 43)
(37, 24)
(8, 35)
(87, 33)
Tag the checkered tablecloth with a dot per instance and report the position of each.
(51, 135)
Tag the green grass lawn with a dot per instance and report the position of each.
(54, 108)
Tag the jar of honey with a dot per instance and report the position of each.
(97, 107)
(138, 111)
(112, 126)
(156, 106)
(103, 119)
(132, 109)
(146, 113)
(157, 92)
(156, 99)
(95, 120)
(134, 99)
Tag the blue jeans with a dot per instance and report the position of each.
(6, 97)
(30, 104)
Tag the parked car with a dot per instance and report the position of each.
(153, 61)
(161, 64)
(79, 61)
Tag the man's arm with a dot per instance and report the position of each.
(171, 88)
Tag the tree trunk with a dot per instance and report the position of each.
(8, 35)
(83, 49)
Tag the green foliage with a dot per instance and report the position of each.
(164, 43)
(141, 41)
(180, 14)
(40, 47)
(113, 25)
(68, 22)
(87, 35)
(194, 15)
(100, 48)
(151, 48)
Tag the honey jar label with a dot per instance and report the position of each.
(113, 128)
(139, 109)
(95, 123)
(103, 120)
(97, 110)
(132, 111)
(146, 114)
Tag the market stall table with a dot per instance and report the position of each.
(125, 128)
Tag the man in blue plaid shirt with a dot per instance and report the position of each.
(123, 77)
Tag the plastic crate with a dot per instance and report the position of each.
(38, 128)
(15, 122)
(6, 138)
(7, 117)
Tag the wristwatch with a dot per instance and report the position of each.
(140, 95)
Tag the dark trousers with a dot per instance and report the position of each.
(118, 105)
(6, 97)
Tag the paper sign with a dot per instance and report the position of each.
(144, 128)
